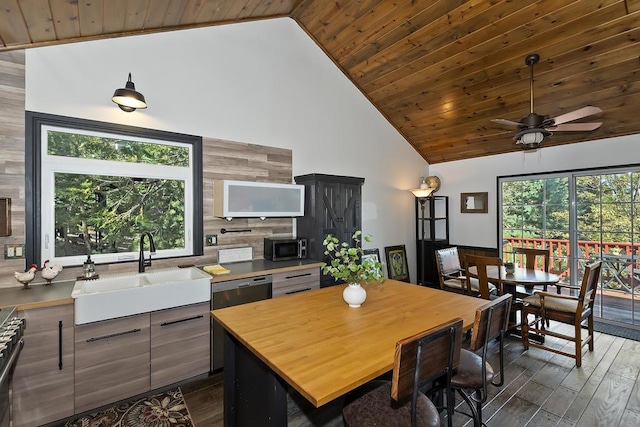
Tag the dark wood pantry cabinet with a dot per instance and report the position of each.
(333, 205)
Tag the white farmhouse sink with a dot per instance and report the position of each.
(127, 294)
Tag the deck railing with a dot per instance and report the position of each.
(621, 260)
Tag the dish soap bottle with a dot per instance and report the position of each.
(88, 268)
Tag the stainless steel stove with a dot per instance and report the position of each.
(11, 343)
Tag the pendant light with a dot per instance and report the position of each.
(128, 99)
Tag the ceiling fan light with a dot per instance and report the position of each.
(532, 138)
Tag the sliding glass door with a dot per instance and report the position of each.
(607, 229)
(580, 217)
(535, 214)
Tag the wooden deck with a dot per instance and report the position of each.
(541, 389)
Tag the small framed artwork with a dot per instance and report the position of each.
(397, 267)
(474, 202)
(372, 254)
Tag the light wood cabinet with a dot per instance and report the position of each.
(293, 282)
(112, 360)
(43, 386)
(180, 343)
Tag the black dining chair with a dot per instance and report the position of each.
(474, 373)
(450, 271)
(419, 361)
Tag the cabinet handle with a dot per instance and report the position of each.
(298, 275)
(117, 334)
(299, 290)
(60, 345)
(181, 320)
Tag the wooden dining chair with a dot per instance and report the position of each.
(531, 257)
(474, 373)
(573, 310)
(419, 360)
(451, 272)
(484, 289)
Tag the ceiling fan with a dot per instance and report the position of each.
(534, 128)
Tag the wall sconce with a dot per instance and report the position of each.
(128, 99)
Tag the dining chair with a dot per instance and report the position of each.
(474, 373)
(419, 360)
(573, 310)
(531, 257)
(485, 289)
(451, 272)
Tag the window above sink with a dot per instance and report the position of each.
(97, 186)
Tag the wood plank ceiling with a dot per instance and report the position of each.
(438, 70)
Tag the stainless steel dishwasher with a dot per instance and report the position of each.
(228, 294)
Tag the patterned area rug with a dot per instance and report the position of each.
(166, 409)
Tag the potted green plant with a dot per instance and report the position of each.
(347, 264)
(509, 267)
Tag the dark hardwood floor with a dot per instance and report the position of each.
(204, 398)
(541, 388)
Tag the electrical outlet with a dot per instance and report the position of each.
(13, 251)
(211, 239)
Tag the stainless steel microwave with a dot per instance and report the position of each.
(285, 248)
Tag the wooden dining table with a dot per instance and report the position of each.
(315, 344)
(522, 281)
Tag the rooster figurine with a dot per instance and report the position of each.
(27, 276)
(49, 272)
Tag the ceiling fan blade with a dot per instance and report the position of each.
(570, 127)
(506, 122)
(577, 114)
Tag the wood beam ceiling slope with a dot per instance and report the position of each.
(438, 70)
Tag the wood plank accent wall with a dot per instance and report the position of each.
(12, 102)
(221, 160)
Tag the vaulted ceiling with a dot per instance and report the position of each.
(438, 70)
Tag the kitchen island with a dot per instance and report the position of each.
(319, 346)
(56, 374)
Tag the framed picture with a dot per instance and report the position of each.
(474, 202)
(372, 254)
(397, 268)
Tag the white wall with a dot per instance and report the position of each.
(263, 82)
(479, 175)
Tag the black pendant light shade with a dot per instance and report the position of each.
(128, 99)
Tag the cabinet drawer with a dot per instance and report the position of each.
(112, 361)
(295, 281)
(180, 343)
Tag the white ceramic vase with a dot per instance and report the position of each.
(354, 295)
